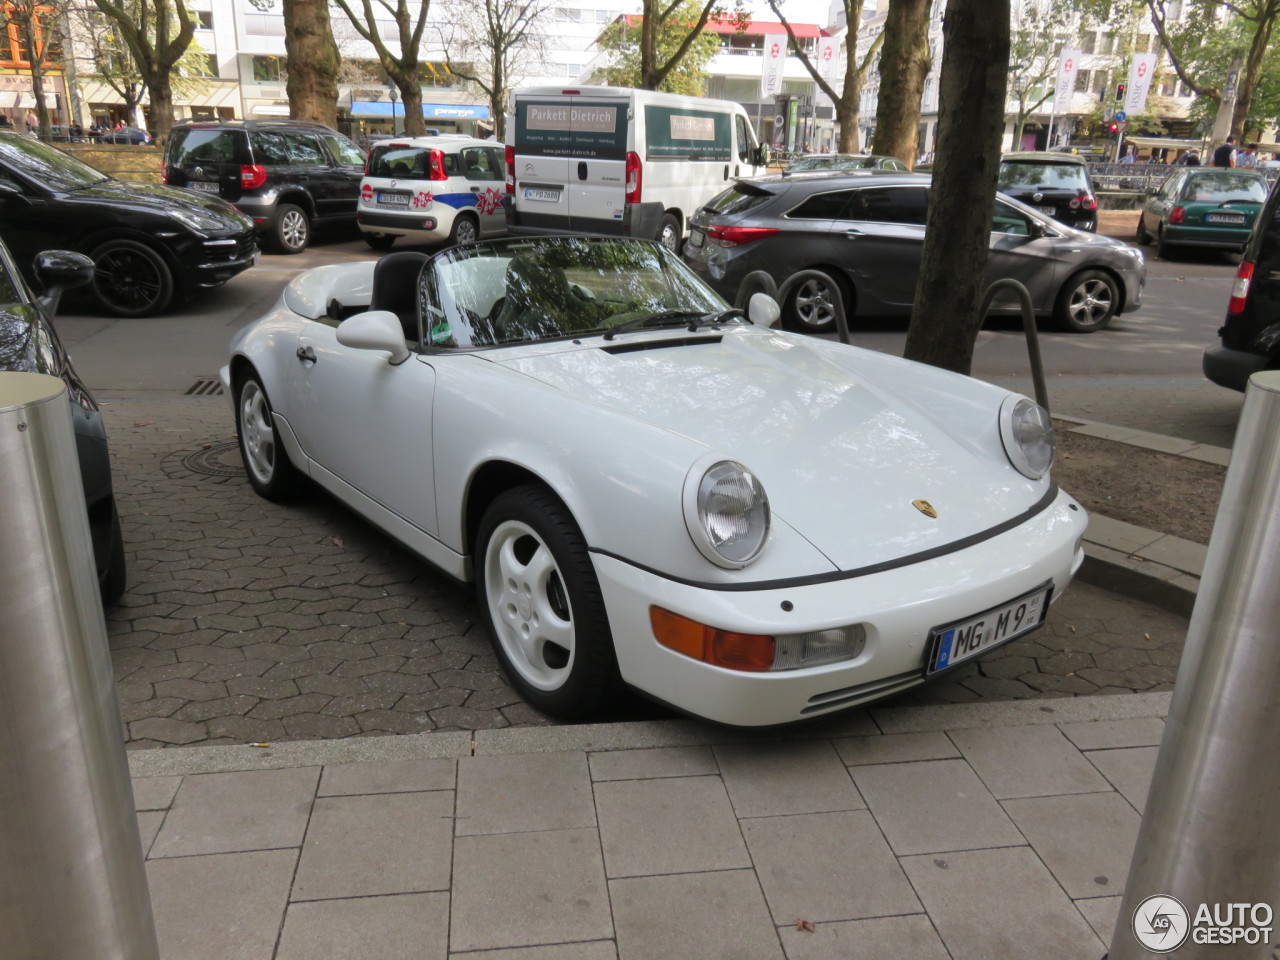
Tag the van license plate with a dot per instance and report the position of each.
(551, 196)
(957, 642)
(204, 186)
(393, 199)
(1236, 219)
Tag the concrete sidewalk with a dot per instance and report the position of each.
(983, 831)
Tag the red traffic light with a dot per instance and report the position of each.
(1119, 91)
(1113, 127)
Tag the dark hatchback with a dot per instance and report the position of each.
(287, 175)
(1055, 184)
(29, 344)
(1250, 337)
(150, 243)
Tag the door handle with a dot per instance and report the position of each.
(306, 353)
(726, 171)
(854, 234)
(582, 169)
(475, 189)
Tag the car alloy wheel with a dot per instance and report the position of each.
(1088, 301)
(293, 229)
(464, 231)
(669, 233)
(130, 279)
(811, 307)
(270, 471)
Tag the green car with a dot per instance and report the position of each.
(1203, 207)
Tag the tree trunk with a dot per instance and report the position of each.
(648, 45)
(904, 64)
(313, 61)
(975, 63)
(846, 109)
(161, 94)
(1249, 75)
(411, 95)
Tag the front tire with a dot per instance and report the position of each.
(114, 578)
(1087, 301)
(292, 231)
(271, 472)
(130, 279)
(542, 604)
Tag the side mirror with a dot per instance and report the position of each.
(9, 190)
(763, 310)
(59, 271)
(762, 155)
(375, 330)
(1038, 229)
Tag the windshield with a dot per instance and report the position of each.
(1221, 187)
(47, 165)
(528, 290)
(833, 163)
(1042, 176)
(409, 162)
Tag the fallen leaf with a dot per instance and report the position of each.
(336, 541)
(805, 925)
(206, 446)
(145, 423)
(1146, 636)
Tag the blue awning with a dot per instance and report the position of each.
(432, 111)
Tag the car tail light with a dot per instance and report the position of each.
(164, 171)
(252, 176)
(435, 166)
(1178, 215)
(635, 178)
(1088, 202)
(511, 169)
(737, 236)
(1240, 289)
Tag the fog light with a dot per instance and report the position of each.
(429, 223)
(753, 652)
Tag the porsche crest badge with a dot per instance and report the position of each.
(925, 507)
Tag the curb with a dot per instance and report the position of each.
(1135, 562)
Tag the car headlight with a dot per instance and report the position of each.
(197, 220)
(1027, 433)
(726, 512)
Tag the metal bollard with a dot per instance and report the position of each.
(72, 883)
(1210, 835)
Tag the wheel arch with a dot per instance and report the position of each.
(848, 295)
(488, 481)
(299, 198)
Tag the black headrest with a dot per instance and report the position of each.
(396, 283)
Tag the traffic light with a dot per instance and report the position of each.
(1113, 127)
(1119, 91)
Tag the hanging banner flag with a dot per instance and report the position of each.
(828, 48)
(775, 61)
(1141, 71)
(1068, 64)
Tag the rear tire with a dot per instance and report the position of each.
(379, 241)
(1163, 247)
(292, 231)
(1141, 235)
(267, 464)
(464, 230)
(669, 232)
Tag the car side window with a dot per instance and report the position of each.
(303, 149)
(890, 205)
(344, 151)
(1171, 188)
(1005, 219)
(477, 164)
(744, 140)
(823, 206)
(499, 156)
(268, 148)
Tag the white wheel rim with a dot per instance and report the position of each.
(257, 435)
(1090, 303)
(293, 227)
(529, 606)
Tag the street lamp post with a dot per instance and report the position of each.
(394, 93)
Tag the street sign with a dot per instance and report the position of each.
(1121, 116)
(1110, 113)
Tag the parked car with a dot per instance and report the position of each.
(366, 142)
(646, 487)
(824, 242)
(29, 344)
(429, 189)
(289, 176)
(1203, 207)
(131, 135)
(844, 161)
(1057, 185)
(150, 243)
(1250, 336)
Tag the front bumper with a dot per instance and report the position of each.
(897, 607)
(212, 262)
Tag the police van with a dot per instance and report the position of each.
(621, 161)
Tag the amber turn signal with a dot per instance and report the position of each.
(750, 652)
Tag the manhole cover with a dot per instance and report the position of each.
(219, 460)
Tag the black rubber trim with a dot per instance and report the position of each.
(836, 575)
(659, 344)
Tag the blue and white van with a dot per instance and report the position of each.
(619, 161)
(430, 189)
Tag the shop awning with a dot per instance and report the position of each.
(269, 110)
(432, 111)
(8, 98)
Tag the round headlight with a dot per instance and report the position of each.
(1027, 433)
(727, 513)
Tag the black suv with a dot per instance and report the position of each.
(1251, 333)
(288, 175)
(1056, 184)
(150, 242)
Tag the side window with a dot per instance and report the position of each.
(499, 156)
(823, 206)
(890, 205)
(1170, 189)
(744, 138)
(268, 148)
(303, 149)
(1005, 219)
(344, 151)
(477, 164)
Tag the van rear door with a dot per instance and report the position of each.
(570, 162)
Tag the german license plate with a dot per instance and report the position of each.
(958, 642)
(393, 199)
(533, 193)
(1048, 211)
(204, 186)
(696, 237)
(1233, 218)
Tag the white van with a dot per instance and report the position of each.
(621, 161)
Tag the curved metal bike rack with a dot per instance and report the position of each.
(1028, 327)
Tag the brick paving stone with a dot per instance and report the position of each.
(233, 669)
(297, 669)
(168, 731)
(426, 702)
(467, 679)
(209, 653)
(362, 668)
(400, 683)
(191, 689)
(279, 709)
(464, 718)
(361, 703)
(129, 692)
(275, 652)
(315, 726)
(168, 671)
(407, 647)
(394, 721)
(211, 709)
(338, 651)
(264, 689)
(151, 707)
(248, 639)
(334, 686)
(244, 730)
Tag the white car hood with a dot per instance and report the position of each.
(842, 456)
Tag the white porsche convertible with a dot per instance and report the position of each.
(650, 488)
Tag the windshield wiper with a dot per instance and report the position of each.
(673, 318)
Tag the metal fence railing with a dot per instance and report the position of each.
(1141, 177)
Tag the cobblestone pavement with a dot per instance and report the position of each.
(247, 621)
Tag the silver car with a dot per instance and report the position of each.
(820, 242)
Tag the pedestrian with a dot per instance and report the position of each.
(1225, 155)
(1248, 158)
(32, 123)
(1131, 156)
